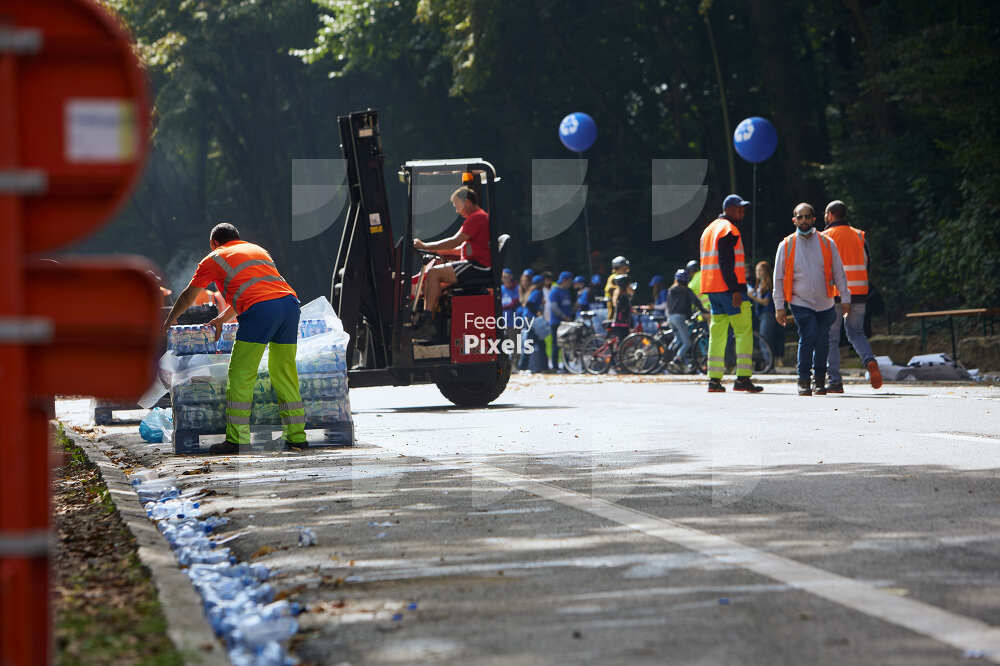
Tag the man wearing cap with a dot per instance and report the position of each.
(853, 250)
(560, 310)
(723, 279)
(533, 307)
(807, 273)
(508, 298)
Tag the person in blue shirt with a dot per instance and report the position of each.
(659, 287)
(560, 310)
(509, 298)
(534, 305)
(597, 304)
(580, 293)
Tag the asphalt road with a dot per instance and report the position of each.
(630, 521)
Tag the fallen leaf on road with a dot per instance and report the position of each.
(261, 552)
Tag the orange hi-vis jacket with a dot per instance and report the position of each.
(245, 272)
(826, 246)
(712, 281)
(851, 245)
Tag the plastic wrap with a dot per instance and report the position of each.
(198, 382)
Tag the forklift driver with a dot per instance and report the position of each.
(473, 267)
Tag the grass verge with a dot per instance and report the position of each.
(105, 607)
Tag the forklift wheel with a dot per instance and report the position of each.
(478, 394)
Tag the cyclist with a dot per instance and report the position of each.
(619, 266)
(681, 301)
(621, 321)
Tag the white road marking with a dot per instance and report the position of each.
(979, 439)
(963, 633)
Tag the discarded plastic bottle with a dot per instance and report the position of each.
(257, 631)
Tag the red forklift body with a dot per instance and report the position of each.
(473, 327)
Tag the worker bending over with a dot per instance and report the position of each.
(267, 309)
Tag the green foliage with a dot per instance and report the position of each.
(890, 105)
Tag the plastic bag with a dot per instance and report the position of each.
(540, 328)
(571, 334)
(158, 426)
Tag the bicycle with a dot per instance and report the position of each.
(638, 353)
(667, 339)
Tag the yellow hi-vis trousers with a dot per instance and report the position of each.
(718, 335)
(284, 378)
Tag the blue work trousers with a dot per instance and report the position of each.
(814, 336)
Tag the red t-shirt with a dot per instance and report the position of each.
(477, 228)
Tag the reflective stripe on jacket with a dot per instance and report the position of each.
(251, 276)
(826, 246)
(712, 281)
(851, 245)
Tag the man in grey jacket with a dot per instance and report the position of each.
(806, 268)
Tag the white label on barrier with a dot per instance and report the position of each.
(374, 219)
(101, 130)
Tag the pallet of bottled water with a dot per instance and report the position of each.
(190, 339)
(197, 382)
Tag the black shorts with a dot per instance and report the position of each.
(470, 273)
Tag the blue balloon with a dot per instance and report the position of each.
(755, 139)
(578, 131)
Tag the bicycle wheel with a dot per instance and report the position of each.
(596, 355)
(763, 357)
(699, 352)
(639, 353)
(668, 349)
(573, 360)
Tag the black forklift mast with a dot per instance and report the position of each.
(367, 261)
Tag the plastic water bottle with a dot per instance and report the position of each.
(157, 489)
(142, 476)
(257, 631)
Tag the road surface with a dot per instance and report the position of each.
(631, 521)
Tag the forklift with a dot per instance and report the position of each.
(377, 281)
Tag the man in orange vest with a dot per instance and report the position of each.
(853, 250)
(267, 309)
(723, 279)
(807, 272)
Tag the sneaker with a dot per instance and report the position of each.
(819, 389)
(228, 448)
(835, 387)
(294, 446)
(423, 325)
(744, 384)
(804, 388)
(715, 386)
(874, 374)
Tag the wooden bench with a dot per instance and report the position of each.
(986, 315)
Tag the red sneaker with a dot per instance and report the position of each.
(874, 374)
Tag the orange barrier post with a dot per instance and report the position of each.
(74, 123)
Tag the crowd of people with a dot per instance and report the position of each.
(820, 279)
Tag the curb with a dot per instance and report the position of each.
(187, 626)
